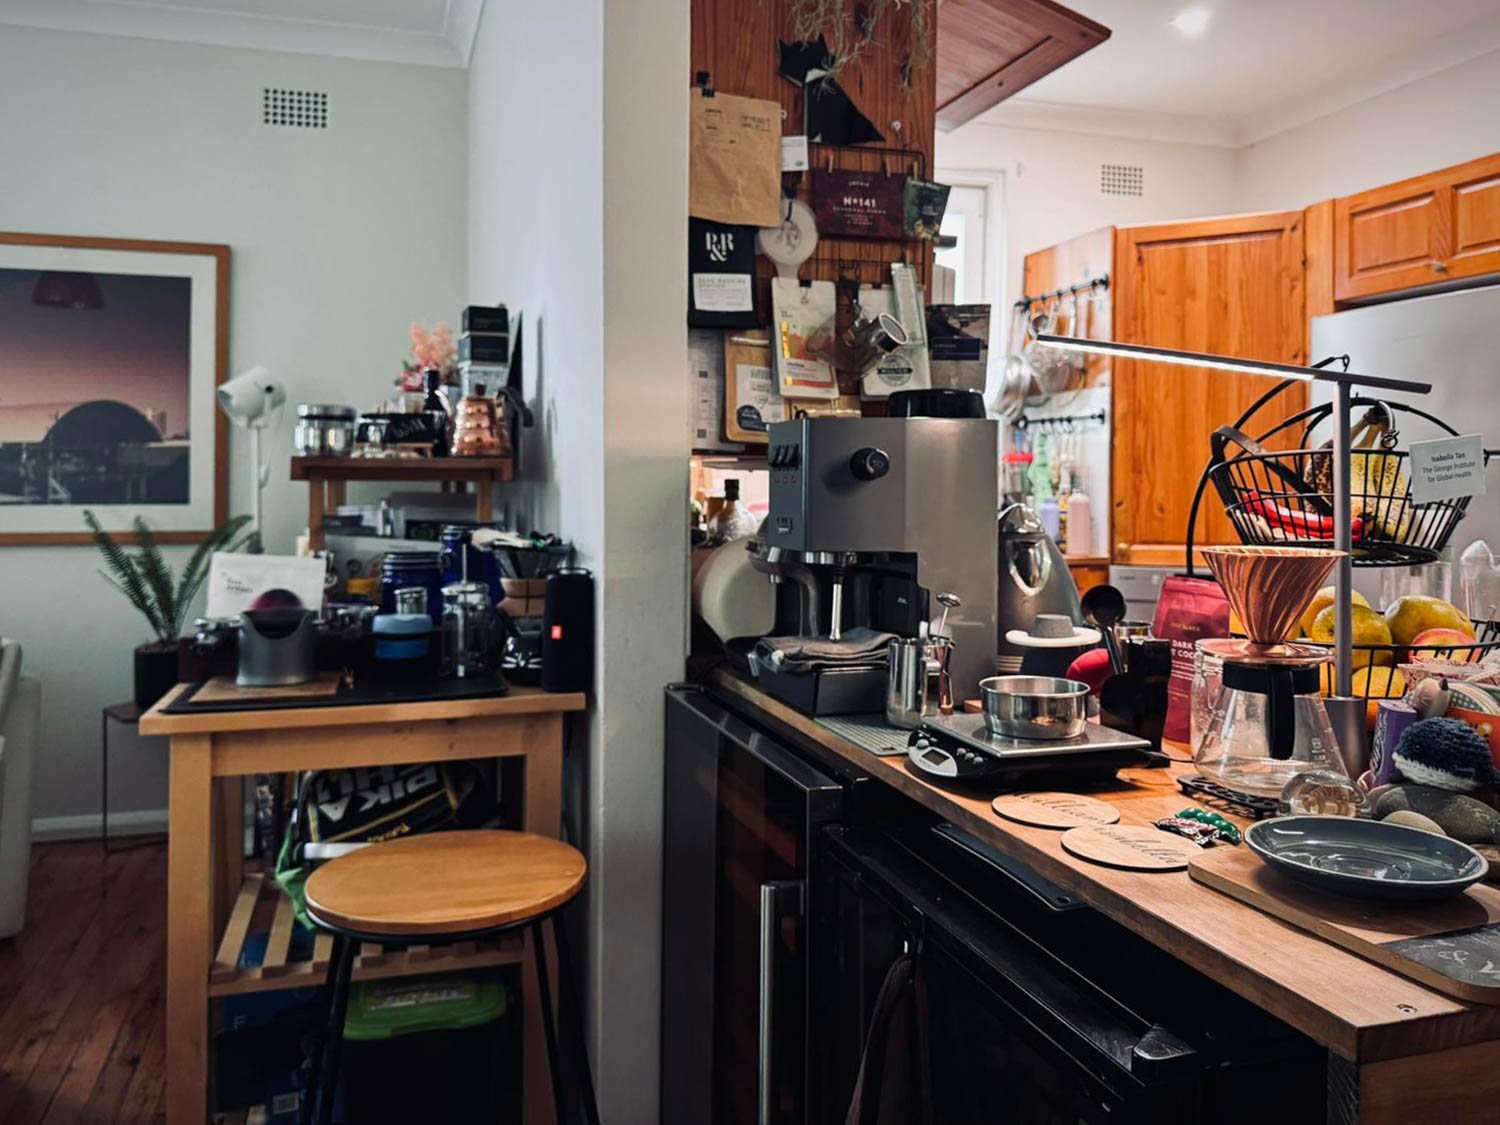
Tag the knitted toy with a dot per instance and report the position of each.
(1445, 754)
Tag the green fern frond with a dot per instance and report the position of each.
(157, 575)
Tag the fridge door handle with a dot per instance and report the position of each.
(779, 901)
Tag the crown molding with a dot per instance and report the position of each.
(136, 19)
(1027, 113)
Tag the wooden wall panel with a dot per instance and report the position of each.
(736, 42)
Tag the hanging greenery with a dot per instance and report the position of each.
(851, 32)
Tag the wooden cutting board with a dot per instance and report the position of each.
(1451, 946)
(222, 689)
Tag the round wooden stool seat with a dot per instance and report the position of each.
(445, 883)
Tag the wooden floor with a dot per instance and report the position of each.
(81, 990)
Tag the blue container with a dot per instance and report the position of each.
(412, 568)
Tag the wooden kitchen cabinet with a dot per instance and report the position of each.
(1233, 286)
(1422, 231)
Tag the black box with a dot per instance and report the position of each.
(484, 348)
(486, 318)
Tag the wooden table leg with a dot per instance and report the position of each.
(315, 498)
(228, 824)
(543, 815)
(484, 500)
(189, 928)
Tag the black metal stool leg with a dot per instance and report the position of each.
(325, 1008)
(324, 1083)
(544, 996)
(571, 1014)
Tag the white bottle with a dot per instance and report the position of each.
(1080, 524)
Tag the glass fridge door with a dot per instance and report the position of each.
(739, 812)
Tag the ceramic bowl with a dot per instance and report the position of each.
(1366, 859)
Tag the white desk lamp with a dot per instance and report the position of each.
(249, 400)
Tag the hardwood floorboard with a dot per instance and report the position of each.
(81, 1036)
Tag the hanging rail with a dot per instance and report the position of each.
(1063, 421)
(1101, 282)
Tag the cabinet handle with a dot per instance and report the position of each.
(777, 901)
(1439, 267)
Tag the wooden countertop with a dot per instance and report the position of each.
(518, 701)
(1349, 1005)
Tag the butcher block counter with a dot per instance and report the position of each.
(1399, 1051)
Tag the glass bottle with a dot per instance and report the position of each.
(437, 407)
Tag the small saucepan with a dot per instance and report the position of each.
(1034, 707)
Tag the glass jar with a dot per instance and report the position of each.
(400, 569)
(1208, 672)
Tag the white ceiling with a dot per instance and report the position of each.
(1262, 66)
(428, 32)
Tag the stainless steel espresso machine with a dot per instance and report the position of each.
(871, 520)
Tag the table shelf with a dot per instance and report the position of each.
(262, 908)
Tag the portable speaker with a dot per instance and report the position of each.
(568, 631)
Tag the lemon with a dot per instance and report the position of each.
(1375, 684)
(1416, 613)
(1368, 627)
(1321, 601)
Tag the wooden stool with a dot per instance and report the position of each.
(444, 887)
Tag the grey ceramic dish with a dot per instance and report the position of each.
(1366, 858)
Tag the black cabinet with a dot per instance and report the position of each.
(740, 811)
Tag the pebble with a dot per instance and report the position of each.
(1458, 816)
(1408, 819)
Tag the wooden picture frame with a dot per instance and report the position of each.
(151, 348)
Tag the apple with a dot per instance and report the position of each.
(1445, 638)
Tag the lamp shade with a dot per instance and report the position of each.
(250, 396)
(60, 289)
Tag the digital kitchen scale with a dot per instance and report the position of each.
(958, 748)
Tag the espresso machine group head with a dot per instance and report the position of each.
(872, 518)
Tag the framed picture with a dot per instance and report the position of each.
(110, 353)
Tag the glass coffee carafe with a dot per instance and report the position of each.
(1267, 726)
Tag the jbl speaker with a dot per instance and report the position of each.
(568, 631)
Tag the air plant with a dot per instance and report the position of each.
(146, 579)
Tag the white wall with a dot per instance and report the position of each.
(1447, 118)
(339, 238)
(577, 189)
(1051, 182)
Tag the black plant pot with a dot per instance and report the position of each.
(155, 672)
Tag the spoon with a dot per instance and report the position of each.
(947, 601)
(1104, 606)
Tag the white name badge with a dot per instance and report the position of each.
(1447, 468)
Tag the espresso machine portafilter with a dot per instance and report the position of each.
(871, 518)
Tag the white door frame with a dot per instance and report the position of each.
(992, 183)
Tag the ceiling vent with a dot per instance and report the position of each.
(1120, 179)
(296, 109)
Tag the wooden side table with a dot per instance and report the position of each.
(211, 901)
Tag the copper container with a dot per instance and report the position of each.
(1268, 588)
(477, 431)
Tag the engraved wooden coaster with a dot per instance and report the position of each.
(1131, 847)
(1055, 810)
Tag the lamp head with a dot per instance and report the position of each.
(249, 397)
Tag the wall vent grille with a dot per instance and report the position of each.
(1121, 179)
(296, 109)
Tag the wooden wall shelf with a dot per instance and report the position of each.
(327, 478)
(259, 895)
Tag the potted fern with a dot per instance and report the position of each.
(146, 580)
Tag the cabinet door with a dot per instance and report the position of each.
(1475, 191)
(1392, 237)
(1231, 286)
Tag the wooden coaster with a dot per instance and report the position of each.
(222, 689)
(1131, 847)
(1055, 810)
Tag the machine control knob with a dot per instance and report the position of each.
(870, 464)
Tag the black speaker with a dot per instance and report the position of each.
(568, 631)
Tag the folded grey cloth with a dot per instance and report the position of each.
(860, 647)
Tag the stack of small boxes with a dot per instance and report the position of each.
(484, 349)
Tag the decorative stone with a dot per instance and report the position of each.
(1458, 816)
(1408, 819)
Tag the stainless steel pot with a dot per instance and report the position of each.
(1032, 707)
(324, 430)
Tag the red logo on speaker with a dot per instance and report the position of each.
(557, 632)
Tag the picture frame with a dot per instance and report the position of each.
(111, 350)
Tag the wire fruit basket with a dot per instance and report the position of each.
(1284, 497)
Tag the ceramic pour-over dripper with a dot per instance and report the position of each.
(1268, 588)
